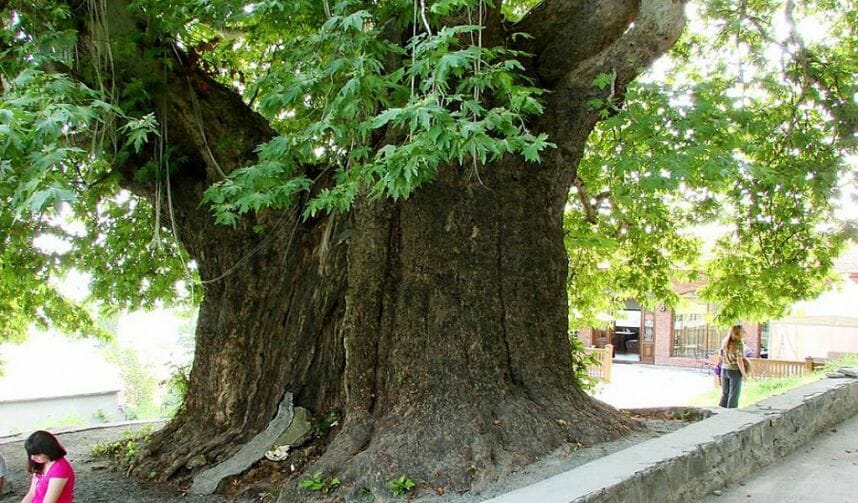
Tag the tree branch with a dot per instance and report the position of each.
(567, 32)
(656, 28)
(569, 117)
(847, 123)
(590, 204)
(209, 124)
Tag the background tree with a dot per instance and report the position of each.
(746, 130)
(369, 199)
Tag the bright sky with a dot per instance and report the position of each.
(51, 364)
(54, 365)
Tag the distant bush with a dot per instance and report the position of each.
(140, 387)
(177, 387)
(847, 360)
(581, 361)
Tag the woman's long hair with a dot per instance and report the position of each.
(733, 338)
(42, 442)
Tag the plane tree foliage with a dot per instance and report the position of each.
(748, 125)
(370, 200)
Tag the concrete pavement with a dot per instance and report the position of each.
(691, 463)
(823, 471)
(638, 385)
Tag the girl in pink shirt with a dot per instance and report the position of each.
(53, 477)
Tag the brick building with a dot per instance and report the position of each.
(679, 337)
(826, 327)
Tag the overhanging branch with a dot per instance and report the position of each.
(567, 32)
(656, 28)
(202, 116)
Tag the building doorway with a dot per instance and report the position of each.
(627, 331)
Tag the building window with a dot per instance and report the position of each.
(693, 336)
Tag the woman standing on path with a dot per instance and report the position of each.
(53, 477)
(732, 367)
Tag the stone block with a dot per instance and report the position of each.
(206, 482)
(299, 431)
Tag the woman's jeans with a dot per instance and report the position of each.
(731, 386)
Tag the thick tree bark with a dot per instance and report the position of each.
(457, 367)
(437, 325)
(269, 322)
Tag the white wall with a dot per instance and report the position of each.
(796, 339)
(25, 416)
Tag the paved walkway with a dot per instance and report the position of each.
(641, 385)
(823, 471)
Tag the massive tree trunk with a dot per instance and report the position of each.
(436, 325)
(457, 366)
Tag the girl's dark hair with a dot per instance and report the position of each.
(42, 442)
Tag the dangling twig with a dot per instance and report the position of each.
(425, 19)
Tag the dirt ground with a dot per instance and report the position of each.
(98, 482)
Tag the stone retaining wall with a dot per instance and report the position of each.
(692, 462)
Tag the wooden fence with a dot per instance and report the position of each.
(602, 370)
(762, 368)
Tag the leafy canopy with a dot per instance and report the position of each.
(62, 208)
(757, 146)
(337, 85)
(349, 100)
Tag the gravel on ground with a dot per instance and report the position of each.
(97, 481)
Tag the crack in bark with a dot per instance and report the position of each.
(376, 351)
(386, 293)
(512, 377)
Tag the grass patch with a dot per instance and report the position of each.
(847, 361)
(58, 423)
(755, 390)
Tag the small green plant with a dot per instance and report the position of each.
(331, 419)
(177, 387)
(125, 449)
(316, 482)
(99, 416)
(400, 486)
(581, 361)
